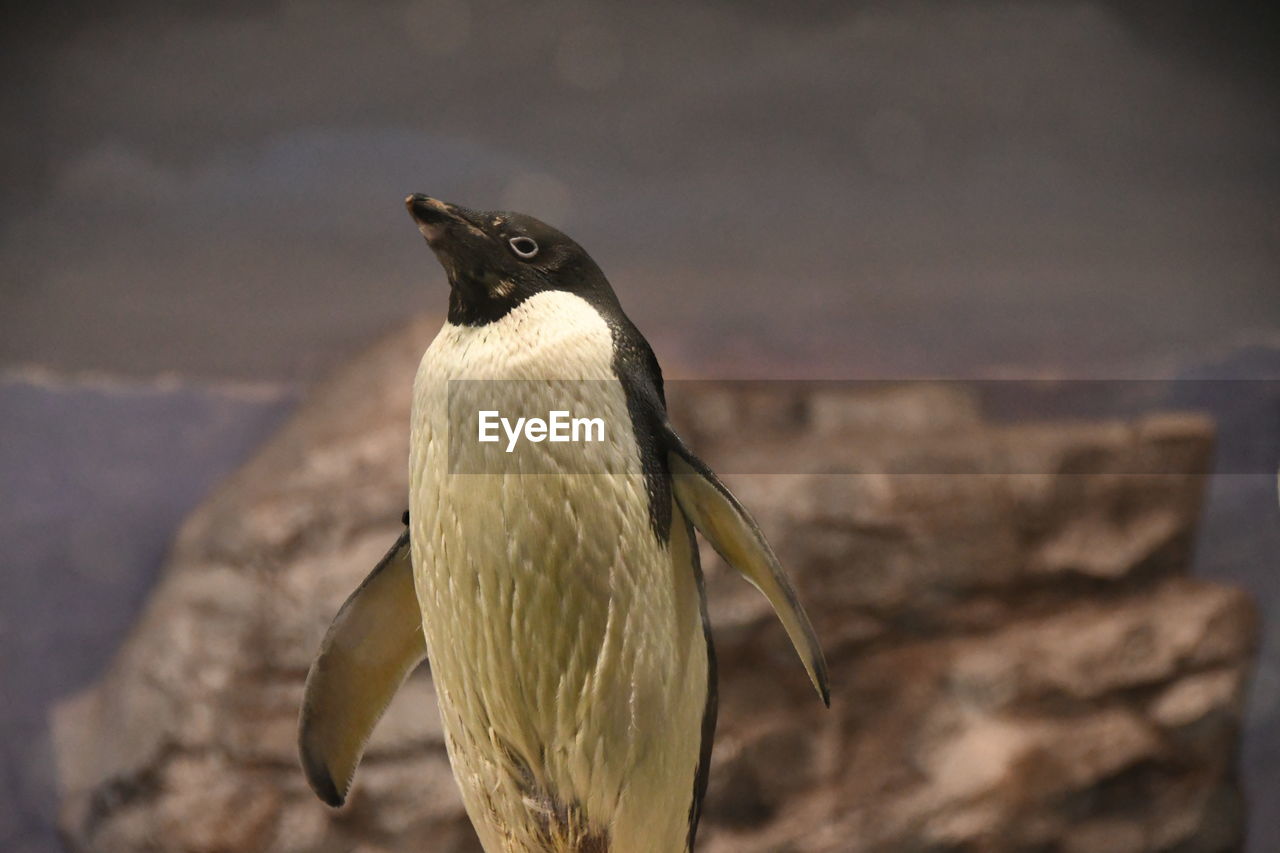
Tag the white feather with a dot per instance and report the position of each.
(564, 639)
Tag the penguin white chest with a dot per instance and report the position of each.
(564, 634)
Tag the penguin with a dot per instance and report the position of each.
(563, 615)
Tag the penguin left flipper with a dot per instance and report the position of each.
(737, 538)
(375, 641)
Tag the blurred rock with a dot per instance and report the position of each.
(1019, 660)
(87, 516)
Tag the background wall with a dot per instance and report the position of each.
(211, 192)
(926, 187)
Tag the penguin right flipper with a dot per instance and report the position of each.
(375, 641)
(737, 538)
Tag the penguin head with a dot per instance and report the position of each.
(496, 260)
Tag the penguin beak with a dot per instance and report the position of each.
(432, 216)
(438, 220)
(460, 245)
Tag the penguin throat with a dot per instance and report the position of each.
(479, 301)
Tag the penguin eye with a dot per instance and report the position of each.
(525, 247)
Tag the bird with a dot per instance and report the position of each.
(563, 611)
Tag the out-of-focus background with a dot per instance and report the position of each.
(202, 218)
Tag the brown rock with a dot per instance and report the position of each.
(1019, 660)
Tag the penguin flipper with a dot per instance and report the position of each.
(737, 538)
(375, 641)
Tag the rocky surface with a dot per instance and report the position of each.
(1019, 658)
(97, 474)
